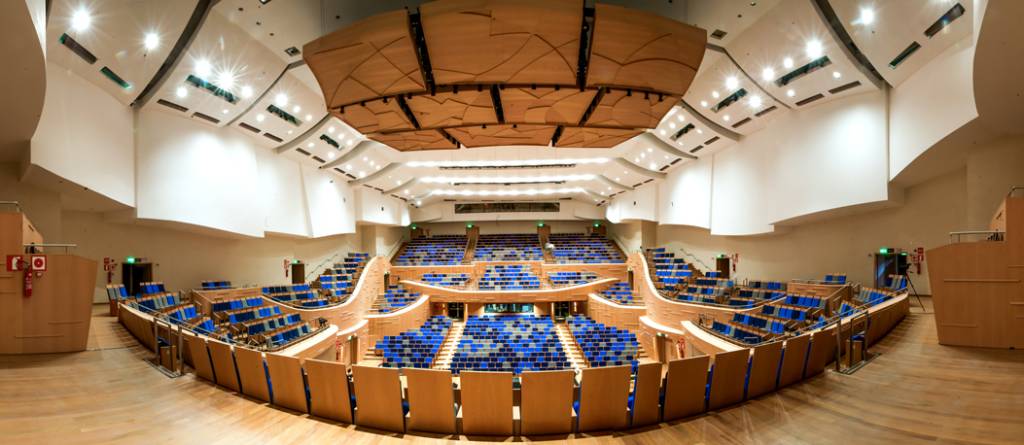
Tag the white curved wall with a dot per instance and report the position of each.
(685, 197)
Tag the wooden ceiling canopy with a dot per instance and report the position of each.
(482, 73)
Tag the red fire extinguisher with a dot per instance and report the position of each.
(27, 291)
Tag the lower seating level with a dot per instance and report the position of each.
(513, 343)
(621, 293)
(395, 298)
(508, 277)
(604, 345)
(564, 278)
(416, 348)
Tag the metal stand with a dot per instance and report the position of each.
(919, 302)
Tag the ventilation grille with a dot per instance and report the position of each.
(841, 88)
(206, 117)
(78, 49)
(729, 100)
(249, 127)
(741, 123)
(172, 105)
(718, 34)
(213, 89)
(272, 137)
(110, 74)
(810, 99)
(802, 71)
(944, 21)
(766, 111)
(914, 46)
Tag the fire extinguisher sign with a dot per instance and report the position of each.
(14, 262)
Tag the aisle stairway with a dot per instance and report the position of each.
(572, 350)
(451, 343)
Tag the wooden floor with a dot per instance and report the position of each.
(915, 392)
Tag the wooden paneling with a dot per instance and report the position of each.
(252, 374)
(589, 137)
(394, 323)
(486, 403)
(545, 105)
(378, 398)
(223, 364)
(546, 406)
(823, 351)
(328, 390)
(646, 393)
(794, 356)
(466, 106)
(728, 374)
(371, 58)
(431, 400)
(611, 314)
(414, 140)
(286, 379)
(200, 357)
(372, 116)
(639, 49)
(764, 369)
(499, 135)
(621, 109)
(684, 387)
(502, 41)
(447, 295)
(604, 398)
(139, 324)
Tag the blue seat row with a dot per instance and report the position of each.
(619, 293)
(508, 247)
(582, 248)
(604, 345)
(571, 278)
(438, 250)
(509, 343)
(215, 285)
(416, 348)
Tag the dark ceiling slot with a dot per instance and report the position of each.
(557, 135)
(586, 37)
(766, 111)
(637, 184)
(292, 51)
(249, 127)
(841, 88)
(405, 110)
(711, 141)
(810, 99)
(330, 141)
(696, 149)
(944, 21)
(110, 74)
(802, 71)
(77, 48)
(682, 131)
(350, 176)
(338, 170)
(741, 123)
(675, 161)
(911, 49)
(213, 89)
(284, 115)
(496, 102)
(593, 105)
(664, 167)
(304, 152)
(318, 159)
(172, 105)
(272, 137)
(419, 42)
(649, 180)
(718, 34)
(206, 117)
(729, 100)
(508, 167)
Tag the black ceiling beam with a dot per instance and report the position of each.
(586, 39)
(419, 42)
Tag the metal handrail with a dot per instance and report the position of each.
(67, 247)
(16, 205)
(958, 234)
(315, 271)
(1014, 189)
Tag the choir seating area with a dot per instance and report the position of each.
(252, 321)
(215, 285)
(669, 273)
(453, 280)
(621, 293)
(508, 247)
(604, 345)
(171, 306)
(416, 348)
(511, 343)
(395, 297)
(570, 278)
(297, 295)
(835, 278)
(582, 248)
(436, 250)
(338, 282)
(508, 277)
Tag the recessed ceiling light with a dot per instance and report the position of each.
(181, 92)
(364, 158)
(699, 131)
(654, 166)
(790, 93)
(226, 80)
(616, 178)
(836, 74)
(650, 150)
(643, 155)
(666, 156)
(203, 68)
(309, 145)
(331, 130)
(348, 166)
(704, 103)
(680, 118)
(379, 166)
(636, 160)
(362, 174)
(296, 109)
(281, 99)
(151, 41)
(419, 203)
(732, 83)
(406, 191)
(290, 131)
(787, 62)
(309, 117)
(397, 182)
(755, 101)
(246, 91)
(330, 154)
(768, 74)
(662, 131)
(260, 117)
(726, 118)
(867, 16)
(81, 19)
(813, 49)
(225, 111)
(714, 94)
(351, 141)
(672, 125)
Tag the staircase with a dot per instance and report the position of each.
(572, 351)
(451, 343)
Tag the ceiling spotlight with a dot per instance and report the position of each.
(296, 109)
(81, 19)
(768, 74)
(181, 92)
(330, 154)
(726, 118)
(787, 62)
(654, 166)
(699, 131)
(714, 94)
(364, 158)
(662, 131)
(281, 99)
(290, 131)
(650, 150)
(203, 68)
(246, 92)
(732, 83)
(379, 166)
(348, 166)
(397, 182)
(419, 203)
(260, 117)
(813, 49)
(867, 16)
(704, 103)
(309, 117)
(672, 125)
(406, 191)
(680, 118)
(226, 80)
(755, 101)
(225, 111)
(836, 74)
(331, 130)
(790, 93)
(636, 160)
(362, 174)
(151, 41)
(351, 142)
(643, 155)
(309, 145)
(616, 178)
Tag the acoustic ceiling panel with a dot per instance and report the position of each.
(414, 140)
(622, 109)
(372, 58)
(545, 105)
(375, 116)
(503, 41)
(589, 137)
(468, 106)
(499, 135)
(636, 49)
